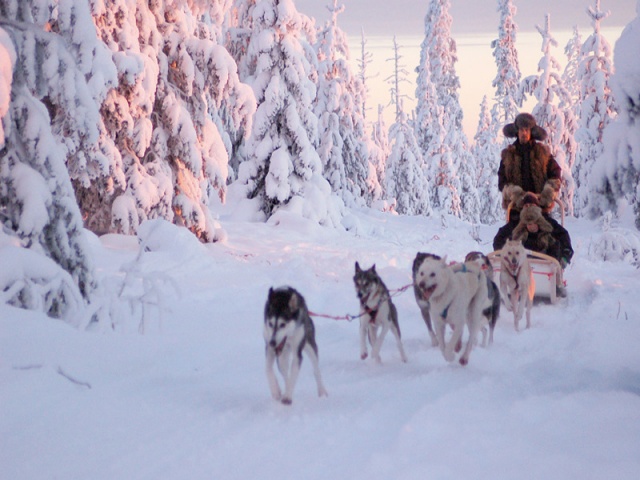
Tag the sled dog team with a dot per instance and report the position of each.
(455, 295)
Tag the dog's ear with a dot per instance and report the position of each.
(373, 268)
(294, 302)
(358, 269)
(270, 293)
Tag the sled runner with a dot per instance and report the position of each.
(546, 271)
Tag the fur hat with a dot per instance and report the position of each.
(512, 195)
(549, 194)
(529, 198)
(525, 120)
(532, 213)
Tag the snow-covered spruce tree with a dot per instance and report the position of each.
(343, 149)
(616, 174)
(596, 104)
(406, 182)
(508, 97)
(553, 111)
(166, 113)
(570, 77)
(486, 154)
(379, 150)
(364, 61)
(73, 103)
(44, 256)
(376, 146)
(397, 78)
(282, 167)
(439, 114)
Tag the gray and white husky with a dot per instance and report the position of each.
(516, 281)
(423, 304)
(456, 295)
(491, 308)
(378, 314)
(288, 331)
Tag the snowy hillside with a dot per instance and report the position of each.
(188, 397)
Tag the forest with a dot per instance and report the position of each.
(116, 113)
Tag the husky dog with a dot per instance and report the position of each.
(491, 307)
(288, 330)
(423, 304)
(456, 295)
(378, 314)
(516, 281)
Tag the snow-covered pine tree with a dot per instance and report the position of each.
(570, 77)
(283, 167)
(439, 114)
(571, 84)
(616, 174)
(596, 104)
(379, 150)
(45, 94)
(166, 113)
(238, 34)
(397, 78)
(365, 59)
(486, 154)
(377, 153)
(508, 97)
(406, 183)
(552, 111)
(343, 150)
(73, 105)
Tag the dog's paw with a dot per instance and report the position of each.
(449, 356)
(322, 392)
(363, 356)
(276, 395)
(286, 401)
(464, 361)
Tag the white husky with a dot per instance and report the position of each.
(517, 284)
(456, 295)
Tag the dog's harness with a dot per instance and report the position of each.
(514, 275)
(372, 312)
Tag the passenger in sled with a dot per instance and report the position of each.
(530, 179)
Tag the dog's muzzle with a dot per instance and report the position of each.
(427, 292)
(279, 347)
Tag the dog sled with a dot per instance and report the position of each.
(547, 272)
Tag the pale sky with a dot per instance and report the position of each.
(406, 17)
(474, 25)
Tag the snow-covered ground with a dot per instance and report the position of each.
(188, 397)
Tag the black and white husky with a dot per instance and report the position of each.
(491, 308)
(288, 330)
(378, 314)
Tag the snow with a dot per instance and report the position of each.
(189, 397)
